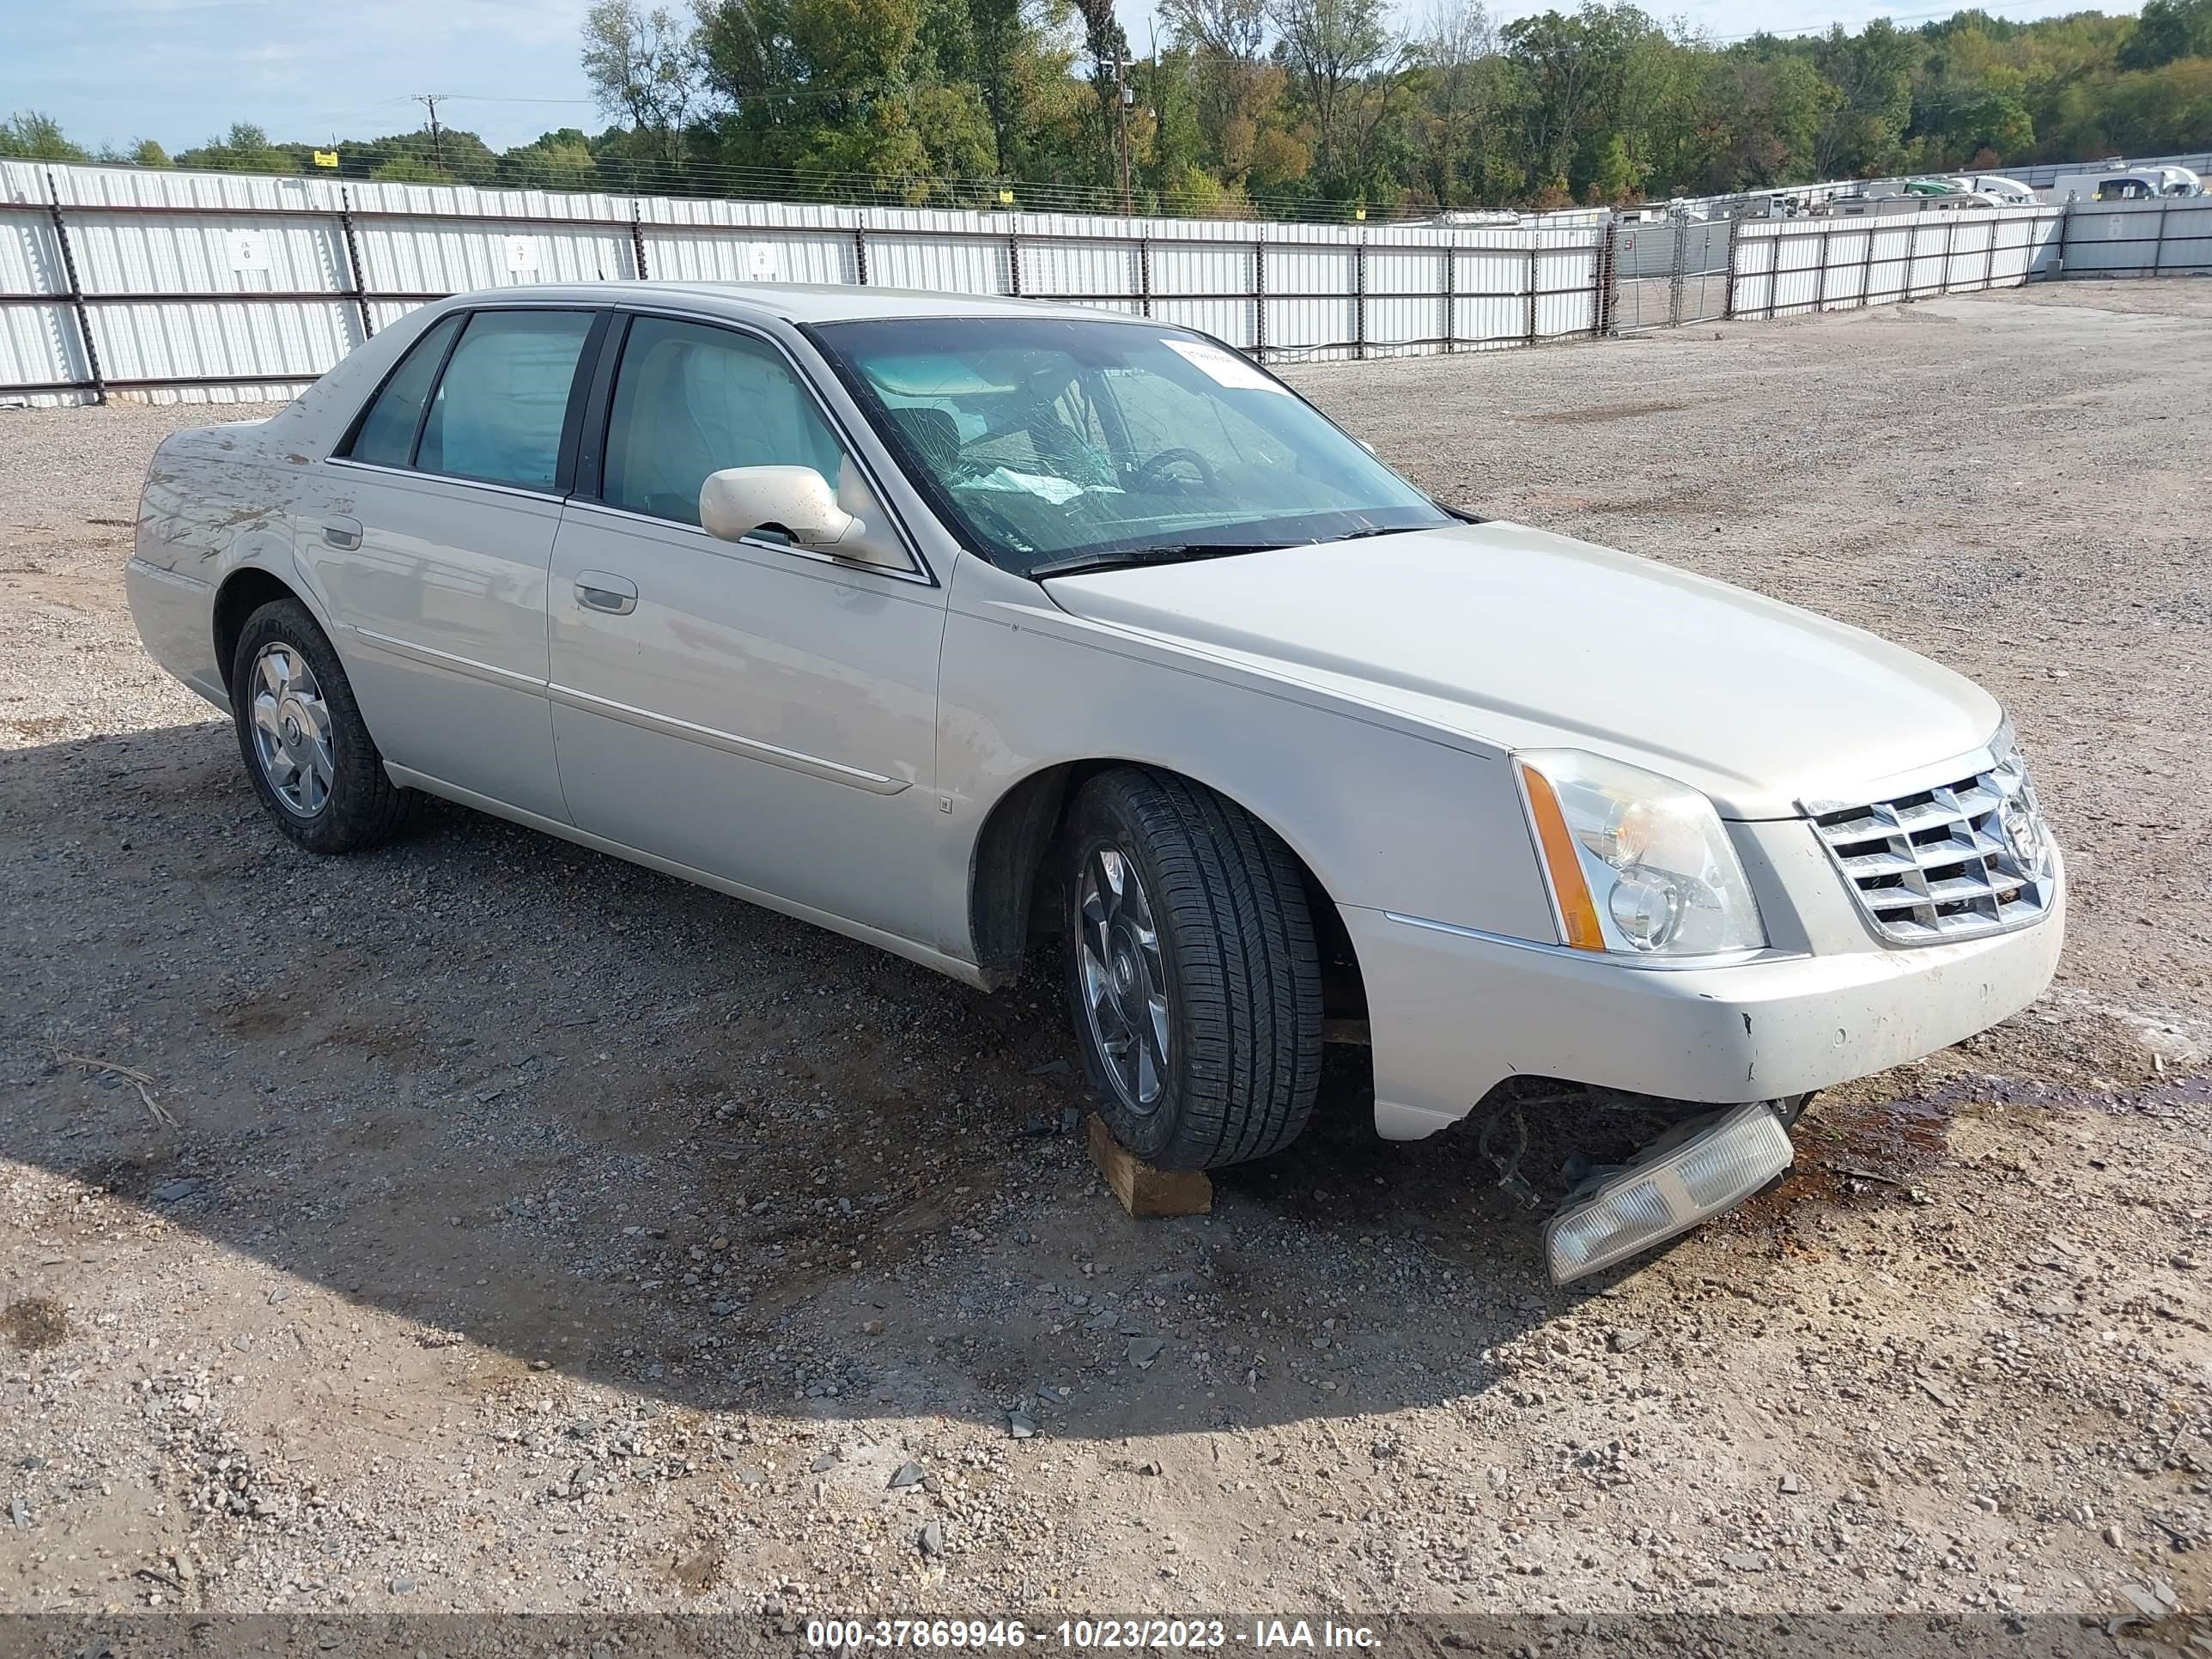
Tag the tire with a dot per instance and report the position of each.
(287, 689)
(1233, 976)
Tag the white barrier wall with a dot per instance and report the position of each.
(1780, 267)
(232, 287)
(2169, 238)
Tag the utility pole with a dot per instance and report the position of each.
(430, 100)
(1124, 95)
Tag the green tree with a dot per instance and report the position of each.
(34, 137)
(245, 149)
(553, 161)
(1573, 71)
(1342, 59)
(1864, 133)
(646, 65)
(2168, 30)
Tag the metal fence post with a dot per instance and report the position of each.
(1260, 298)
(1821, 282)
(2157, 248)
(1603, 276)
(1728, 290)
(1950, 251)
(76, 291)
(358, 276)
(1451, 299)
(1534, 267)
(1359, 297)
(1675, 276)
(2065, 234)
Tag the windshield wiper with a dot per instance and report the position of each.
(1121, 557)
(1365, 531)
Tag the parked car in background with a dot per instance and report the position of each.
(2119, 183)
(2004, 192)
(952, 623)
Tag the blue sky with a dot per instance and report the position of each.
(179, 71)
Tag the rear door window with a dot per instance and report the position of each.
(502, 404)
(386, 437)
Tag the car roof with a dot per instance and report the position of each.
(794, 302)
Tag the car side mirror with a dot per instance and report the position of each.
(795, 499)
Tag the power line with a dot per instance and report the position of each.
(2065, 6)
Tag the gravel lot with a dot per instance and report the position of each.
(499, 1226)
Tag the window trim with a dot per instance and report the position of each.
(600, 421)
(580, 382)
(430, 396)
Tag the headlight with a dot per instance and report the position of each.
(1637, 864)
(2019, 820)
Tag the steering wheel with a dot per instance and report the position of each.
(1148, 471)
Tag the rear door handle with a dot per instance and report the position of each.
(343, 533)
(597, 591)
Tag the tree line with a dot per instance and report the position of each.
(1288, 108)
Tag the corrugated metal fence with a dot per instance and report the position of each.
(1781, 266)
(237, 288)
(225, 286)
(2167, 238)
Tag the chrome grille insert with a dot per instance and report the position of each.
(1962, 859)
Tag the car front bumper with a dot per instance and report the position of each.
(1453, 1011)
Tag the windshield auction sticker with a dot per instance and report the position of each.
(1223, 368)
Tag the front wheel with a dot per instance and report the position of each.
(312, 762)
(1192, 971)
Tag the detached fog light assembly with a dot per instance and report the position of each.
(1694, 1171)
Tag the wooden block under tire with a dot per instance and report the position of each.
(1143, 1191)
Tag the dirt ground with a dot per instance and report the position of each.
(487, 1224)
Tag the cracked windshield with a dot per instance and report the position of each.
(1058, 447)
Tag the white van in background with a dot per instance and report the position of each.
(2006, 193)
(2116, 181)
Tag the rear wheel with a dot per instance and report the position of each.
(1193, 976)
(312, 762)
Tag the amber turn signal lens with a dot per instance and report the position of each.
(1570, 891)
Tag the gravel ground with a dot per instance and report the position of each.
(483, 1224)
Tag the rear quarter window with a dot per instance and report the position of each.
(387, 434)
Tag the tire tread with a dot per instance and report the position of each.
(1246, 965)
(365, 808)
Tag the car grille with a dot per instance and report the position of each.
(1962, 858)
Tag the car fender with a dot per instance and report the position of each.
(1386, 814)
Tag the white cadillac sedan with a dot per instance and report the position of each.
(947, 624)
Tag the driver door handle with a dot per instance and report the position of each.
(596, 590)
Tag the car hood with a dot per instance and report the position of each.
(1520, 638)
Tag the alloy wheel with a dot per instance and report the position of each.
(292, 739)
(1124, 979)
